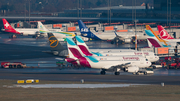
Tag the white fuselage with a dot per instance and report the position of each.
(27, 31)
(119, 52)
(103, 62)
(148, 55)
(172, 40)
(125, 35)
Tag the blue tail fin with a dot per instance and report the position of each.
(82, 27)
(86, 32)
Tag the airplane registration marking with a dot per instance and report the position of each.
(53, 43)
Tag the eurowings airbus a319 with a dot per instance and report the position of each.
(110, 63)
(105, 63)
(84, 48)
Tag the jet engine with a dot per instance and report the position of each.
(55, 53)
(133, 69)
(128, 40)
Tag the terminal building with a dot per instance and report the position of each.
(161, 11)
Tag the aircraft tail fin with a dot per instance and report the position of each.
(163, 33)
(8, 27)
(85, 31)
(56, 46)
(73, 49)
(82, 27)
(42, 28)
(82, 45)
(161, 40)
(153, 40)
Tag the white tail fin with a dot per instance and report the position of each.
(73, 49)
(82, 45)
(41, 27)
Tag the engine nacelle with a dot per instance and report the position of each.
(55, 53)
(133, 69)
(127, 40)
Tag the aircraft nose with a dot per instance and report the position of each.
(148, 63)
(157, 57)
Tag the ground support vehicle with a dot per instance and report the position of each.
(144, 71)
(13, 65)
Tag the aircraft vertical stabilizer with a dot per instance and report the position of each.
(56, 47)
(85, 32)
(8, 27)
(163, 33)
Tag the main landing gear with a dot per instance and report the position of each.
(103, 72)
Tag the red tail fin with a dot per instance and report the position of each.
(163, 33)
(8, 27)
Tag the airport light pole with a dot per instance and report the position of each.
(167, 13)
(135, 28)
(78, 9)
(25, 11)
(110, 12)
(29, 11)
(170, 16)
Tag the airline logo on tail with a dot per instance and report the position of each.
(161, 40)
(85, 31)
(163, 33)
(153, 40)
(53, 43)
(8, 27)
(78, 54)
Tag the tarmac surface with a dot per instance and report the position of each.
(30, 51)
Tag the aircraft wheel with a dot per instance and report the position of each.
(117, 73)
(112, 42)
(103, 72)
(145, 73)
(18, 66)
(10, 66)
(137, 73)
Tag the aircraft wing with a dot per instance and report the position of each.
(118, 65)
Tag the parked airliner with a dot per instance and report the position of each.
(20, 31)
(125, 37)
(84, 48)
(105, 63)
(165, 35)
(59, 35)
